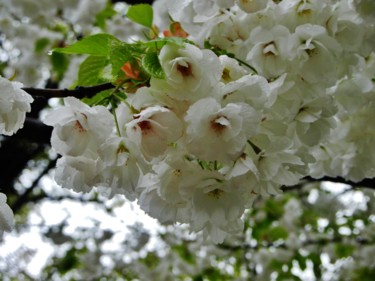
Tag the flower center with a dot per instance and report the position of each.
(145, 127)
(216, 193)
(78, 126)
(185, 70)
(219, 124)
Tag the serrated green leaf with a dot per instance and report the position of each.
(141, 14)
(90, 70)
(96, 45)
(151, 64)
(118, 56)
(100, 98)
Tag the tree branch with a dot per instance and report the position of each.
(365, 183)
(25, 197)
(79, 92)
(318, 242)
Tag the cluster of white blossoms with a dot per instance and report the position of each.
(14, 103)
(288, 93)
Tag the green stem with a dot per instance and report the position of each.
(112, 93)
(112, 96)
(246, 64)
(115, 117)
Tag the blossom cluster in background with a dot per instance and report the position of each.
(6, 215)
(261, 95)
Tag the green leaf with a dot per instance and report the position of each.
(301, 261)
(141, 14)
(278, 232)
(101, 98)
(316, 260)
(60, 64)
(274, 209)
(90, 71)
(364, 274)
(41, 44)
(152, 66)
(158, 43)
(261, 231)
(107, 13)
(68, 262)
(343, 250)
(118, 56)
(183, 251)
(151, 260)
(96, 45)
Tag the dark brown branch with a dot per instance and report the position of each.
(79, 92)
(365, 183)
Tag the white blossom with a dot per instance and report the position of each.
(271, 51)
(14, 103)
(198, 17)
(231, 69)
(119, 169)
(78, 128)
(216, 208)
(219, 134)
(153, 129)
(252, 6)
(191, 73)
(316, 50)
(153, 204)
(253, 90)
(79, 174)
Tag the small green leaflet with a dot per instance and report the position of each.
(96, 45)
(102, 98)
(119, 55)
(160, 42)
(141, 14)
(151, 65)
